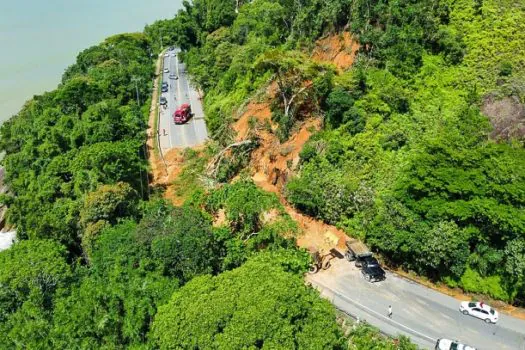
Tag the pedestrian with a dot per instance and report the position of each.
(390, 311)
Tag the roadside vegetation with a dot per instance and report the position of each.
(406, 159)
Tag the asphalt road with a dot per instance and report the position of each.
(418, 312)
(192, 133)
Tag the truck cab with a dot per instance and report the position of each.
(183, 114)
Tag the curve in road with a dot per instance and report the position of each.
(418, 312)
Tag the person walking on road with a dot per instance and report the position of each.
(390, 311)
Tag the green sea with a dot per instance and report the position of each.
(40, 39)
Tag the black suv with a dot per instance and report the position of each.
(163, 101)
(370, 268)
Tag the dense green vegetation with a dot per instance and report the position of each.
(260, 304)
(405, 156)
(404, 160)
(406, 145)
(66, 143)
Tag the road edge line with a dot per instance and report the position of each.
(383, 317)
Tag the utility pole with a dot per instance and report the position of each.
(135, 80)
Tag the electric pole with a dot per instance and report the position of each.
(135, 80)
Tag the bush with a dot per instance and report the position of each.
(473, 282)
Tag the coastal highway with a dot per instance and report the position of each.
(418, 312)
(192, 133)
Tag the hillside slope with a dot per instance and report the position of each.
(399, 151)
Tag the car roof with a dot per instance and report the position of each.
(459, 346)
(478, 304)
(376, 269)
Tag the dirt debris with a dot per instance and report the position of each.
(273, 163)
(339, 49)
(220, 219)
(507, 116)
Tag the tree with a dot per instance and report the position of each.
(181, 242)
(32, 275)
(244, 204)
(67, 142)
(261, 19)
(294, 73)
(108, 203)
(444, 249)
(259, 305)
(115, 298)
(515, 259)
(103, 207)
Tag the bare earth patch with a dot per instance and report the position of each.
(506, 115)
(339, 49)
(272, 163)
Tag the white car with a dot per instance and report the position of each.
(479, 310)
(166, 70)
(447, 344)
(167, 54)
(174, 55)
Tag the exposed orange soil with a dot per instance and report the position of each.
(339, 49)
(175, 163)
(272, 163)
(220, 219)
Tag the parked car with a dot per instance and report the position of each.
(173, 76)
(371, 270)
(166, 70)
(173, 54)
(365, 260)
(167, 54)
(163, 101)
(164, 88)
(447, 344)
(479, 310)
(171, 48)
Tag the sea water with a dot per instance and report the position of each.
(39, 39)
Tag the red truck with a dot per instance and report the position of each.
(183, 114)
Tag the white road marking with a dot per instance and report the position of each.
(377, 314)
(183, 134)
(191, 106)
